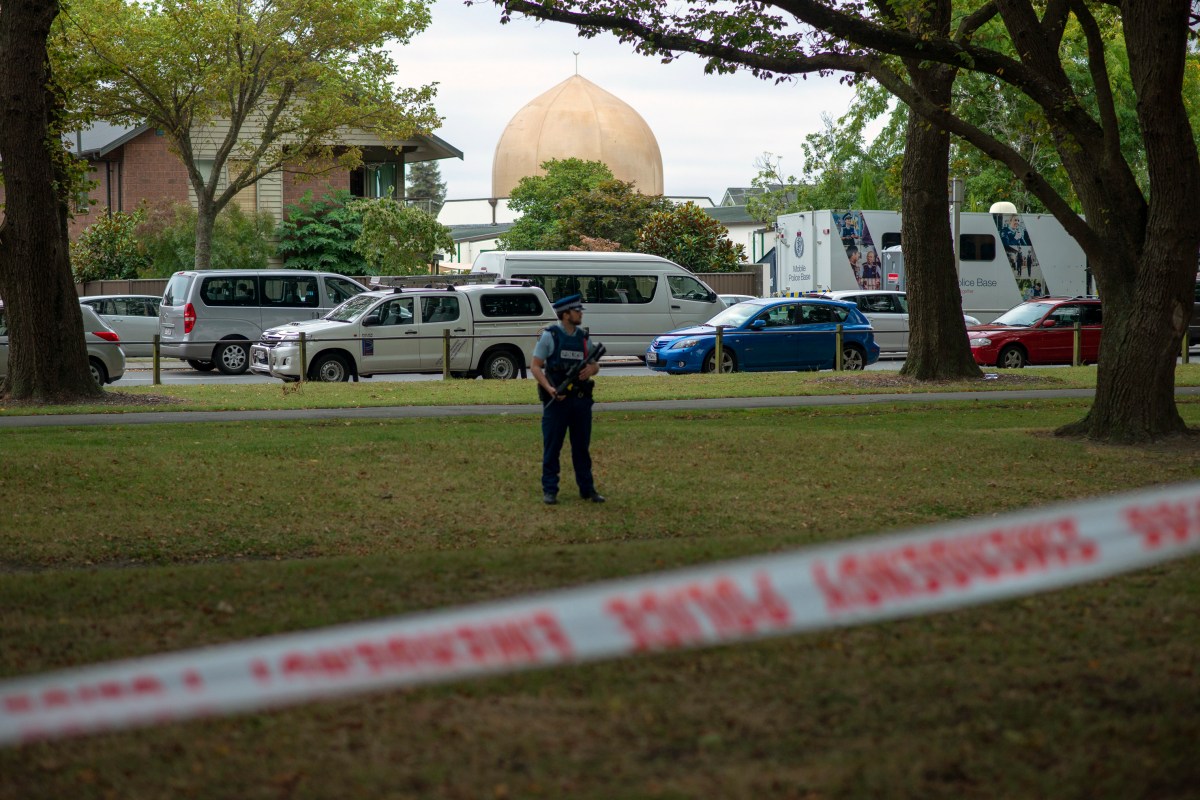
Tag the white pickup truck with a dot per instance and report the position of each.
(493, 329)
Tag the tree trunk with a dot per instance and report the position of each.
(47, 355)
(206, 215)
(937, 344)
(1147, 270)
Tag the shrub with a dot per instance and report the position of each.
(320, 235)
(398, 239)
(107, 249)
(168, 235)
(692, 239)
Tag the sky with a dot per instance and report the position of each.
(710, 128)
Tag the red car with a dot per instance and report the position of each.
(1040, 331)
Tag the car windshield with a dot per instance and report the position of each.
(1023, 315)
(735, 315)
(352, 309)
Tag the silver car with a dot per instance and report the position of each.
(888, 312)
(133, 316)
(105, 356)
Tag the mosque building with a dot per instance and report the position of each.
(574, 119)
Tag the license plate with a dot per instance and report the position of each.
(651, 357)
(168, 331)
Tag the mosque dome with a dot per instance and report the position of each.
(578, 119)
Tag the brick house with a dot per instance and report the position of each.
(131, 165)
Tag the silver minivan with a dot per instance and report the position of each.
(210, 318)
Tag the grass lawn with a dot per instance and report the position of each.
(217, 396)
(126, 541)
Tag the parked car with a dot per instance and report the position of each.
(888, 312)
(493, 331)
(210, 318)
(105, 356)
(766, 334)
(1039, 331)
(734, 299)
(133, 316)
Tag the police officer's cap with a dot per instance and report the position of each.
(568, 303)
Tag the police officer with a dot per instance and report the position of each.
(560, 348)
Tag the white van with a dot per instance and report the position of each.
(630, 297)
(210, 318)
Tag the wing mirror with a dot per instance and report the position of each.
(758, 324)
(370, 319)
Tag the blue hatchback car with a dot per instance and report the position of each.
(764, 334)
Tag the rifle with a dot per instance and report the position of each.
(568, 383)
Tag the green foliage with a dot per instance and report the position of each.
(398, 239)
(276, 82)
(691, 238)
(320, 234)
(425, 184)
(536, 199)
(168, 236)
(108, 249)
(613, 210)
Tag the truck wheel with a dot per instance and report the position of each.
(201, 366)
(501, 365)
(329, 368)
(232, 359)
(1012, 357)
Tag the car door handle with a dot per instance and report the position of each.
(410, 333)
(675, 307)
(460, 330)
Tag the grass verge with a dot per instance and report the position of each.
(127, 541)
(218, 396)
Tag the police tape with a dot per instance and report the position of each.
(854, 582)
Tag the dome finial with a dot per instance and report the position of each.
(576, 52)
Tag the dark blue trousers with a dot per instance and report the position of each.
(560, 417)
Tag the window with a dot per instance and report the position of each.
(1092, 314)
(510, 304)
(780, 316)
(635, 289)
(291, 292)
(340, 290)
(976, 247)
(821, 315)
(439, 309)
(1065, 316)
(876, 304)
(247, 199)
(229, 291)
(3, 324)
(889, 240)
(177, 289)
(398, 311)
(626, 288)
(685, 288)
(379, 180)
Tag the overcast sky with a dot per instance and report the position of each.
(710, 128)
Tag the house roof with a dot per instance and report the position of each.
(101, 138)
(731, 215)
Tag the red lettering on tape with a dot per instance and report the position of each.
(61, 697)
(873, 578)
(1164, 524)
(677, 617)
(519, 640)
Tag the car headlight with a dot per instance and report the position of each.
(981, 342)
(684, 344)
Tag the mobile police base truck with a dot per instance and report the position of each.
(1004, 257)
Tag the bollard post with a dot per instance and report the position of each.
(445, 354)
(1185, 353)
(157, 379)
(303, 357)
(1075, 358)
(719, 351)
(837, 356)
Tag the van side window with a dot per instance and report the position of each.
(229, 291)
(340, 290)
(685, 288)
(510, 304)
(976, 247)
(291, 292)
(535, 280)
(626, 288)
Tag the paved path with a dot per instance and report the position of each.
(400, 412)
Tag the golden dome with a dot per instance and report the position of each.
(578, 119)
